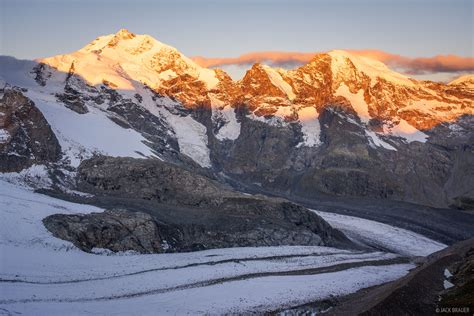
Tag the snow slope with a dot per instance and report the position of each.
(310, 127)
(278, 82)
(372, 68)
(231, 127)
(81, 135)
(404, 130)
(357, 101)
(382, 236)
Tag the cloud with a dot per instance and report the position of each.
(276, 58)
(409, 65)
(421, 65)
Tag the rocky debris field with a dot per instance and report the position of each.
(171, 209)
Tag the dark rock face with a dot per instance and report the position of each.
(347, 165)
(71, 97)
(188, 211)
(154, 129)
(72, 101)
(462, 292)
(27, 137)
(149, 179)
(436, 173)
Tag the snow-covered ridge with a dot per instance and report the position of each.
(466, 81)
(125, 58)
(374, 69)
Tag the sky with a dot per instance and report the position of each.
(225, 28)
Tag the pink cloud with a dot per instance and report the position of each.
(418, 65)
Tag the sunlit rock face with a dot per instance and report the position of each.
(341, 124)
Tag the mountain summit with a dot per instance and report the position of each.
(127, 61)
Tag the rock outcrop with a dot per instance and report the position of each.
(238, 223)
(116, 230)
(26, 137)
(149, 179)
(185, 212)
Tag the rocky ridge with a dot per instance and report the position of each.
(26, 137)
(168, 209)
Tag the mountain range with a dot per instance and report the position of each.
(341, 125)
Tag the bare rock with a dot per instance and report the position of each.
(116, 230)
(26, 137)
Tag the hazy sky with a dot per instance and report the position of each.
(34, 28)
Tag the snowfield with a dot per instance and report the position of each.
(43, 275)
(81, 135)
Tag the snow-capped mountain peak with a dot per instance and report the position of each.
(343, 62)
(124, 59)
(465, 81)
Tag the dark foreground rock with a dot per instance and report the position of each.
(423, 290)
(115, 230)
(184, 212)
(26, 137)
(240, 223)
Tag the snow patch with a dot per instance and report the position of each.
(357, 101)
(447, 284)
(192, 138)
(447, 274)
(231, 127)
(310, 127)
(376, 141)
(36, 176)
(4, 135)
(278, 82)
(406, 131)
